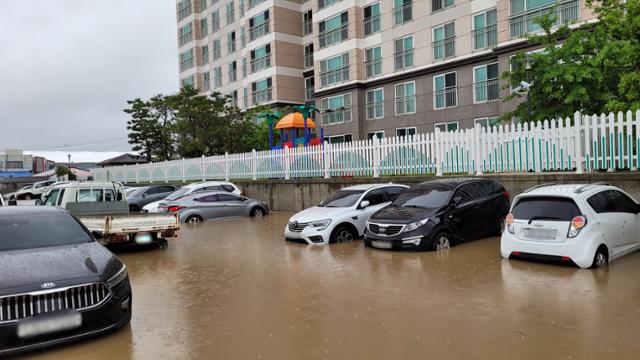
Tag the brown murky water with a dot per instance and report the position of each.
(234, 289)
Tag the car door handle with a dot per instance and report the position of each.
(354, 217)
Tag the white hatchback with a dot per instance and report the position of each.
(588, 225)
(342, 216)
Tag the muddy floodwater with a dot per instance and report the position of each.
(234, 289)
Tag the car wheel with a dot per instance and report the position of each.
(257, 212)
(601, 258)
(342, 234)
(194, 220)
(442, 241)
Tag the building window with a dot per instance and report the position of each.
(372, 19)
(188, 81)
(485, 31)
(205, 54)
(405, 100)
(445, 90)
(233, 98)
(309, 88)
(403, 54)
(186, 60)
(259, 25)
(217, 49)
(244, 68)
(308, 56)
(241, 7)
(402, 11)
(375, 104)
(336, 109)
(185, 35)
(444, 41)
(406, 132)
(446, 127)
(243, 37)
(206, 81)
(217, 76)
(253, 3)
(245, 97)
(215, 21)
(204, 28)
(487, 122)
(307, 23)
(261, 91)
(334, 70)
(375, 134)
(325, 3)
(437, 5)
(523, 14)
(203, 5)
(231, 42)
(184, 9)
(260, 58)
(485, 83)
(334, 30)
(231, 15)
(339, 139)
(233, 71)
(373, 61)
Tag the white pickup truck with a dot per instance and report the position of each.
(102, 207)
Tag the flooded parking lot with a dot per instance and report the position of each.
(234, 289)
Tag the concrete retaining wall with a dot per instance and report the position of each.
(298, 194)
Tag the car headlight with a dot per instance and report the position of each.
(415, 225)
(118, 277)
(320, 225)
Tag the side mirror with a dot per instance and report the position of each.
(96, 234)
(364, 204)
(38, 202)
(13, 202)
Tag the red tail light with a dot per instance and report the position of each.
(577, 224)
(174, 209)
(506, 195)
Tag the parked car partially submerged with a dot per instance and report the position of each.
(161, 205)
(144, 195)
(63, 285)
(588, 225)
(199, 207)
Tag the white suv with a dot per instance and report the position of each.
(342, 216)
(588, 225)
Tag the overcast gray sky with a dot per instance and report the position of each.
(67, 68)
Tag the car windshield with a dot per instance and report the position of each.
(177, 194)
(52, 198)
(19, 232)
(424, 197)
(136, 192)
(342, 198)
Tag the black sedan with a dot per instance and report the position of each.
(57, 284)
(144, 195)
(438, 214)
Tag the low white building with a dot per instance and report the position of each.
(15, 163)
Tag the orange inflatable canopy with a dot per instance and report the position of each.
(294, 121)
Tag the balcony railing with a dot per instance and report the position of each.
(402, 14)
(260, 63)
(334, 36)
(261, 96)
(373, 67)
(259, 30)
(336, 116)
(486, 90)
(405, 105)
(445, 48)
(445, 98)
(334, 76)
(371, 25)
(403, 59)
(309, 93)
(485, 37)
(522, 23)
(375, 110)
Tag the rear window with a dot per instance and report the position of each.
(545, 208)
(43, 230)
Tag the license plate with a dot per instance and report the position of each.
(381, 244)
(540, 234)
(49, 323)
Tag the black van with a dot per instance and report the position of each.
(436, 215)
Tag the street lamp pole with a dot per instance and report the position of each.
(69, 164)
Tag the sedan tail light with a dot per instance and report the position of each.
(508, 221)
(174, 209)
(577, 224)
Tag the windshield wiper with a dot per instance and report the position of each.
(415, 206)
(543, 218)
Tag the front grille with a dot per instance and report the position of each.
(385, 230)
(16, 307)
(297, 227)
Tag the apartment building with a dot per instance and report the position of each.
(372, 67)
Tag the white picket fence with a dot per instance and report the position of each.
(585, 143)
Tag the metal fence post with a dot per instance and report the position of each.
(327, 163)
(164, 171)
(438, 153)
(226, 166)
(124, 169)
(184, 170)
(137, 173)
(577, 127)
(255, 164)
(376, 156)
(477, 148)
(202, 168)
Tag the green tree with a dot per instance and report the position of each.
(592, 69)
(149, 132)
(63, 170)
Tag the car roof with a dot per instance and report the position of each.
(207, 183)
(452, 183)
(566, 190)
(365, 187)
(29, 210)
(88, 184)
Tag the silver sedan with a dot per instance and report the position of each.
(209, 205)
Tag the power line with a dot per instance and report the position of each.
(65, 146)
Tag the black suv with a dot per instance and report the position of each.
(437, 214)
